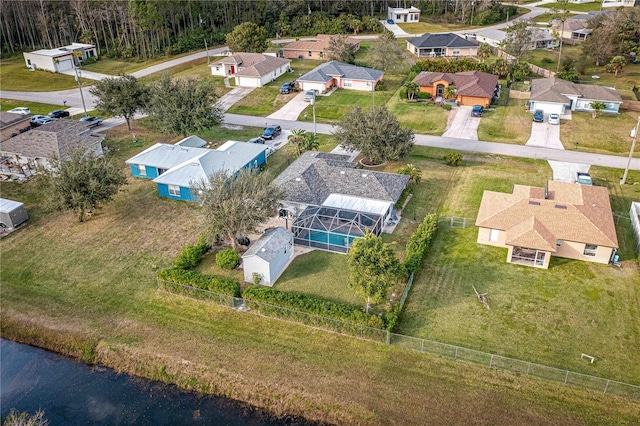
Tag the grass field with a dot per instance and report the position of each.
(35, 107)
(89, 290)
(16, 77)
(574, 7)
(423, 117)
(590, 135)
(506, 124)
(112, 66)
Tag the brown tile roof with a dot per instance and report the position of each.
(571, 212)
(253, 64)
(320, 44)
(468, 83)
(554, 90)
(56, 139)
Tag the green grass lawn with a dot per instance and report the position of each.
(574, 7)
(507, 124)
(16, 77)
(35, 107)
(607, 133)
(79, 288)
(423, 117)
(113, 66)
(545, 316)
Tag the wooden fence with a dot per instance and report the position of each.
(630, 105)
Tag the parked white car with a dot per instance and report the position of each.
(20, 110)
(554, 119)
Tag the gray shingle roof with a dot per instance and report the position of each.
(441, 40)
(316, 175)
(554, 90)
(270, 244)
(327, 71)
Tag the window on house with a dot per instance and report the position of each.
(309, 53)
(494, 234)
(347, 83)
(142, 170)
(322, 54)
(174, 190)
(558, 243)
(161, 171)
(456, 52)
(590, 250)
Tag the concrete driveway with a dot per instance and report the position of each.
(463, 126)
(545, 135)
(89, 75)
(567, 172)
(233, 96)
(292, 110)
(395, 29)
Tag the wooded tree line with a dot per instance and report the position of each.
(148, 28)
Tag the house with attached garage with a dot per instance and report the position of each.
(553, 95)
(60, 59)
(442, 45)
(176, 168)
(472, 87)
(341, 75)
(251, 69)
(563, 219)
(401, 15)
(541, 38)
(574, 29)
(269, 256)
(318, 49)
(331, 202)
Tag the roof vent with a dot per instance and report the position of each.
(263, 249)
(195, 164)
(342, 172)
(170, 147)
(183, 149)
(364, 175)
(534, 203)
(298, 179)
(561, 206)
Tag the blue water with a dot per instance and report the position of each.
(333, 238)
(72, 393)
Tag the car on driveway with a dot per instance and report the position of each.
(477, 111)
(390, 21)
(20, 110)
(37, 117)
(309, 94)
(91, 121)
(584, 178)
(271, 132)
(58, 113)
(554, 119)
(257, 140)
(40, 121)
(538, 116)
(285, 89)
(270, 150)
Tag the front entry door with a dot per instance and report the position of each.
(439, 89)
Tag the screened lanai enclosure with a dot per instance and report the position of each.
(333, 229)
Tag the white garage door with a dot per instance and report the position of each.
(64, 65)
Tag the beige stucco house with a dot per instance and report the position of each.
(341, 75)
(318, 48)
(564, 219)
(251, 69)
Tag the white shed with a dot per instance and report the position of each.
(12, 213)
(269, 256)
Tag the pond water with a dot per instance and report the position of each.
(72, 393)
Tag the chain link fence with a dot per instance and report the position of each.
(407, 342)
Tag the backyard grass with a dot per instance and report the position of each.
(16, 77)
(607, 133)
(545, 316)
(506, 124)
(35, 107)
(113, 66)
(70, 286)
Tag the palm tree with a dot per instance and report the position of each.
(412, 88)
(295, 139)
(500, 67)
(484, 50)
(414, 173)
(617, 63)
(449, 92)
(597, 107)
(309, 142)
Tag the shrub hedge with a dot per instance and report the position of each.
(205, 282)
(419, 243)
(312, 305)
(191, 255)
(227, 258)
(453, 159)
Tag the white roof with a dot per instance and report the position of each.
(166, 156)
(365, 205)
(492, 34)
(8, 206)
(401, 10)
(270, 244)
(231, 157)
(64, 50)
(192, 141)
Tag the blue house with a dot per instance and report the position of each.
(176, 168)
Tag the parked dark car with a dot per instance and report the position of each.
(257, 140)
(91, 121)
(538, 116)
(477, 111)
(271, 132)
(390, 21)
(285, 89)
(58, 114)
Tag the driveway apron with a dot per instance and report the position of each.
(233, 96)
(464, 126)
(292, 109)
(545, 135)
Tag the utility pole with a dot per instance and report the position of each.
(313, 105)
(634, 135)
(207, 49)
(80, 88)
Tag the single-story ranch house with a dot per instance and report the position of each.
(251, 69)
(341, 75)
(315, 49)
(564, 219)
(332, 203)
(541, 38)
(472, 87)
(268, 256)
(176, 168)
(24, 154)
(574, 29)
(553, 95)
(401, 15)
(60, 59)
(439, 45)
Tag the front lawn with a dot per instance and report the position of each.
(423, 117)
(545, 316)
(114, 66)
(574, 7)
(36, 108)
(607, 133)
(16, 77)
(506, 124)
